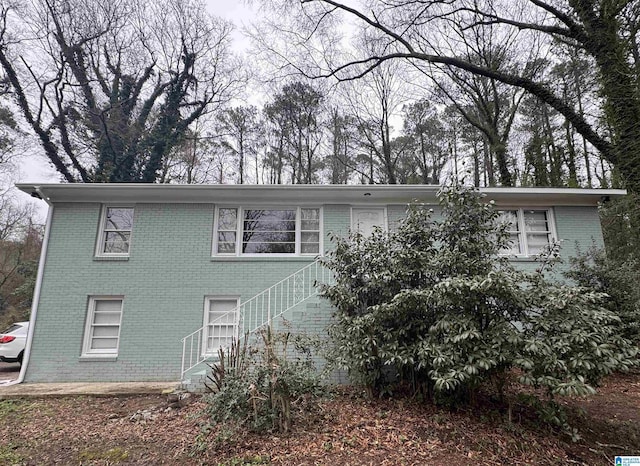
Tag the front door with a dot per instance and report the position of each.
(366, 219)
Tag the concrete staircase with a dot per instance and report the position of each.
(310, 316)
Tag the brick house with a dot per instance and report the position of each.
(142, 282)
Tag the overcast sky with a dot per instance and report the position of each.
(238, 13)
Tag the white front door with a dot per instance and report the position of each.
(221, 323)
(365, 220)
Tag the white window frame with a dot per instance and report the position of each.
(522, 234)
(103, 231)
(88, 330)
(205, 320)
(385, 217)
(240, 226)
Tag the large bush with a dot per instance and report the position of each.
(619, 279)
(434, 307)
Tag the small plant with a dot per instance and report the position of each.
(233, 360)
(261, 388)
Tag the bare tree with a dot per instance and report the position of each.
(239, 130)
(424, 125)
(111, 86)
(486, 103)
(375, 101)
(20, 242)
(294, 114)
(426, 33)
(342, 142)
(197, 158)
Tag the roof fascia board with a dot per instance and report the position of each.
(302, 194)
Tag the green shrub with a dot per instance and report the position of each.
(619, 279)
(262, 387)
(435, 307)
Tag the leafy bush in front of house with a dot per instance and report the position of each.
(262, 387)
(619, 279)
(434, 307)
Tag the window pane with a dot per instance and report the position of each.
(106, 331)
(537, 242)
(213, 343)
(535, 220)
(310, 225)
(269, 237)
(108, 305)
(106, 318)
(222, 317)
(222, 331)
(226, 248)
(270, 220)
(227, 219)
(119, 218)
(117, 242)
(310, 248)
(104, 343)
(510, 218)
(227, 242)
(227, 236)
(514, 245)
(308, 237)
(269, 248)
(310, 214)
(270, 225)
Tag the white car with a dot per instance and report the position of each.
(12, 342)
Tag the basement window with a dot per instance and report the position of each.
(102, 330)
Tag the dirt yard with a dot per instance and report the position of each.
(348, 430)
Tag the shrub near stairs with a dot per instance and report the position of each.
(261, 387)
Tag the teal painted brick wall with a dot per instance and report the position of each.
(164, 283)
(165, 280)
(577, 228)
(578, 225)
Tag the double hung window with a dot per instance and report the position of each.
(221, 323)
(116, 226)
(530, 230)
(102, 331)
(257, 231)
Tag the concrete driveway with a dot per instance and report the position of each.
(9, 370)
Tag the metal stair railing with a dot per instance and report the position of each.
(256, 312)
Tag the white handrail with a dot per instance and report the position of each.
(274, 301)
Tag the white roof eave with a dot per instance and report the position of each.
(300, 194)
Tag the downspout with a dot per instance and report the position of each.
(36, 291)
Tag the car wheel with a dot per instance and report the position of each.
(20, 357)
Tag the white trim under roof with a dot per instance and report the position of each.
(302, 194)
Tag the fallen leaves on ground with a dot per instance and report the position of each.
(346, 430)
